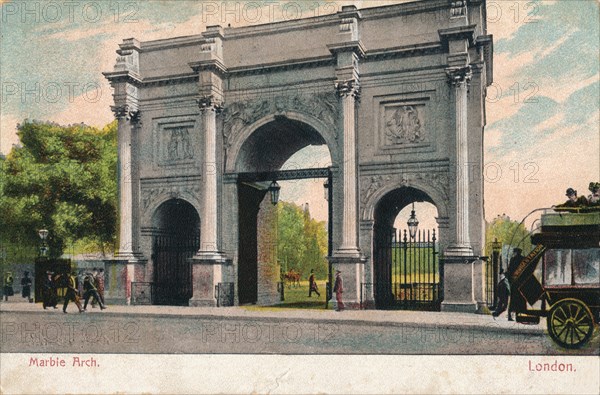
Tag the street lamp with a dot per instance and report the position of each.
(274, 191)
(496, 245)
(326, 187)
(413, 223)
(43, 233)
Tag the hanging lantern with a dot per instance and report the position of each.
(274, 191)
(413, 223)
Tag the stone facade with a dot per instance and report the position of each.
(396, 93)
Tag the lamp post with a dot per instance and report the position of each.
(274, 191)
(413, 223)
(496, 247)
(328, 189)
(43, 233)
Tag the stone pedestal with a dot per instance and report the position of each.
(352, 274)
(459, 287)
(120, 273)
(206, 275)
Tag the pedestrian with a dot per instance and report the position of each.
(26, 287)
(71, 294)
(503, 290)
(517, 302)
(90, 291)
(49, 291)
(80, 278)
(338, 288)
(100, 285)
(312, 285)
(95, 277)
(573, 200)
(8, 285)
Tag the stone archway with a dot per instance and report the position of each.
(262, 153)
(175, 239)
(406, 270)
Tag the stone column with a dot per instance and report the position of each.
(127, 118)
(208, 235)
(207, 263)
(347, 258)
(349, 91)
(460, 268)
(459, 78)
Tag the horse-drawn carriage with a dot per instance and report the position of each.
(568, 246)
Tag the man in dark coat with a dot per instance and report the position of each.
(90, 291)
(573, 200)
(312, 285)
(8, 286)
(49, 291)
(100, 285)
(338, 288)
(517, 302)
(503, 290)
(26, 287)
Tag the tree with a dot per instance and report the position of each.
(62, 178)
(302, 241)
(510, 233)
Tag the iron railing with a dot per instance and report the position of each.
(224, 294)
(142, 293)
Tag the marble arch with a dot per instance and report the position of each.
(396, 92)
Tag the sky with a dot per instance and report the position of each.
(542, 134)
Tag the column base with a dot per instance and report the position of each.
(459, 250)
(120, 273)
(130, 256)
(206, 277)
(353, 253)
(459, 287)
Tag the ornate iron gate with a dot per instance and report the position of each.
(173, 271)
(408, 274)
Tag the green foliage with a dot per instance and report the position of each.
(302, 241)
(509, 233)
(62, 178)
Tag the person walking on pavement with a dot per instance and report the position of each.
(72, 294)
(312, 285)
(95, 277)
(503, 290)
(517, 302)
(90, 291)
(26, 287)
(338, 288)
(100, 285)
(8, 286)
(49, 291)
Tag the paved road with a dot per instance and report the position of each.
(95, 332)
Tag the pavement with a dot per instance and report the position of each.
(404, 318)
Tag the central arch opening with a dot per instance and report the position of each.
(407, 273)
(280, 244)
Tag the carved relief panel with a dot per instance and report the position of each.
(406, 122)
(176, 144)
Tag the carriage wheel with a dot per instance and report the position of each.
(570, 323)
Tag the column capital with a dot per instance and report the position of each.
(458, 8)
(459, 75)
(348, 88)
(210, 102)
(126, 112)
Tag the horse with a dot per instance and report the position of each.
(293, 278)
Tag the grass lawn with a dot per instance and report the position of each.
(297, 298)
